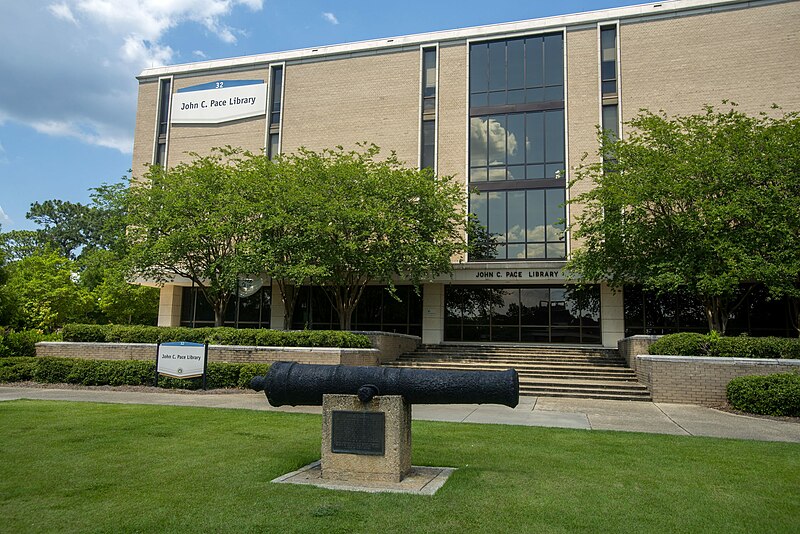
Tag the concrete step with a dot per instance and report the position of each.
(577, 372)
(574, 395)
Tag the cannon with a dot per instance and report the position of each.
(299, 384)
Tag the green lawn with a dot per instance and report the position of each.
(80, 467)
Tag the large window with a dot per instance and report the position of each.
(525, 224)
(517, 158)
(242, 312)
(757, 315)
(534, 314)
(376, 310)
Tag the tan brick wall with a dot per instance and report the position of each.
(144, 131)
(632, 346)
(200, 138)
(750, 56)
(387, 347)
(698, 380)
(583, 108)
(350, 100)
(452, 93)
(216, 353)
(451, 156)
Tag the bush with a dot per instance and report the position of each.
(714, 345)
(20, 343)
(682, 344)
(50, 370)
(16, 369)
(777, 394)
(249, 370)
(214, 336)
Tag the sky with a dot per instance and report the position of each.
(68, 91)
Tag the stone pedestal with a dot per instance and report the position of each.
(368, 464)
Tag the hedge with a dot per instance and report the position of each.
(22, 343)
(50, 370)
(214, 336)
(777, 394)
(714, 345)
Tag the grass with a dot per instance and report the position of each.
(80, 467)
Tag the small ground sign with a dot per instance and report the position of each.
(182, 359)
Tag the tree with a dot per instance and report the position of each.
(369, 220)
(285, 247)
(196, 221)
(45, 292)
(103, 273)
(704, 203)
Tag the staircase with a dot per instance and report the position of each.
(546, 371)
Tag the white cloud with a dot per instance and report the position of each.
(330, 17)
(74, 62)
(62, 11)
(199, 53)
(3, 217)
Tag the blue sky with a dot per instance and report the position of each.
(68, 95)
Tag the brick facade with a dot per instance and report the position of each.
(673, 56)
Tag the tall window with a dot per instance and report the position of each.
(517, 139)
(428, 130)
(609, 79)
(276, 96)
(165, 92)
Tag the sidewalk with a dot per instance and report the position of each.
(589, 414)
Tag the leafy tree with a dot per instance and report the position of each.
(285, 246)
(197, 221)
(63, 224)
(369, 220)
(703, 202)
(45, 293)
(103, 273)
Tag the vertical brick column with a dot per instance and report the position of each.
(612, 318)
(276, 310)
(169, 306)
(432, 314)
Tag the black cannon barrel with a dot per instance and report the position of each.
(299, 384)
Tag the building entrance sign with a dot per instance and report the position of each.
(182, 359)
(220, 101)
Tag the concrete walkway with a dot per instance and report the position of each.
(659, 418)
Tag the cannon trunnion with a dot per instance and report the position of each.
(299, 384)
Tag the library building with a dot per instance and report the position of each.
(509, 110)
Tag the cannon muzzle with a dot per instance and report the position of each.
(299, 384)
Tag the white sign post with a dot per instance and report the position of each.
(182, 359)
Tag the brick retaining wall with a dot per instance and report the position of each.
(632, 346)
(387, 347)
(700, 380)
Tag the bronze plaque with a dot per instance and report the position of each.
(358, 432)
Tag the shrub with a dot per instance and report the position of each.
(249, 370)
(777, 394)
(682, 344)
(17, 369)
(714, 345)
(50, 370)
(215, 336)
(20, 343)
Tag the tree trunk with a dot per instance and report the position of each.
(716, 314)
(794, 313)
(289, 294)
(345, 300)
